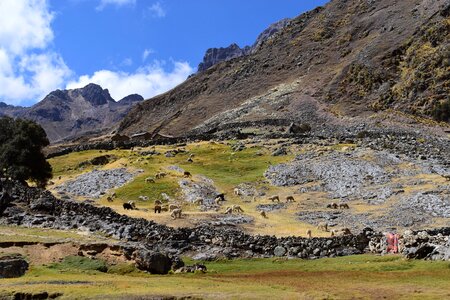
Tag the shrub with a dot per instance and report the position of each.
(21, 157)
(441, 111)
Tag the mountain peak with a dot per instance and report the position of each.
(94, 94)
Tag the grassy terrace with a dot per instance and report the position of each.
(355, 277)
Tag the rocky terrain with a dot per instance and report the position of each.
(96, 183)
(331, 67)
(68, 114)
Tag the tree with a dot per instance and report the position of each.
(21, 157)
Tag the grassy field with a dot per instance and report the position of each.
(355, 277)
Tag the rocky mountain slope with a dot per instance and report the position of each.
(350, 58)
(72, 113)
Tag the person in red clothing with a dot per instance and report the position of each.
(392, 242)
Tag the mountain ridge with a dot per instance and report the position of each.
(68, 114)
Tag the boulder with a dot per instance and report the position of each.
(279, 251)
(12, 266)
(153, 262)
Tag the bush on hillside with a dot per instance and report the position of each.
(21, 157)
(441, 112)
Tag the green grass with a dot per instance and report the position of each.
(79, 263)
(363, 277)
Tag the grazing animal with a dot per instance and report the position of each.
(290, 199)
(236, 208)
(110, 199)
(172, 207)
(228, 211)
(274, 198)
(221, 196)
(343, 231)
(133, 205)
(190, 160)
(309, 233)
(158, 202)
(113, 195)
(343, 206)
(198, 201)
(323, 226)
(237, 192)
(263, 214)
(160, 175)
(149, 180)
(187, 174)
(158, 209)
(333, 232)
(332, 205)
(127, 206)
(176, 213)
(217, 201)
(447, 177)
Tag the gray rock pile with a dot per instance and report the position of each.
(96, 183)
(427, 245)
(202, 187)
(342, 174)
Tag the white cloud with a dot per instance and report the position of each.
(157, 10)
(148, 81)
(146, 53)
(29, 69)
(104, 3)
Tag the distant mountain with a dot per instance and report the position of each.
(350, 58)
(216, 55)
(66, 114)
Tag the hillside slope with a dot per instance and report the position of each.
(351, 57)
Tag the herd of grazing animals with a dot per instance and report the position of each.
(176, 210)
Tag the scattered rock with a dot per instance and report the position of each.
(12, 266)
(153, 262)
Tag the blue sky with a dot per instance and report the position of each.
(127, 46)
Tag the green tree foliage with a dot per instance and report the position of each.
(21, 157)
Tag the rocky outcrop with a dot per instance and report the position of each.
(153, 262)
(12, 266)
(216, 55)
(433, 245)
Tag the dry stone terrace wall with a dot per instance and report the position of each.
(37, 208)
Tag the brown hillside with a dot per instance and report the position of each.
(351, 57)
